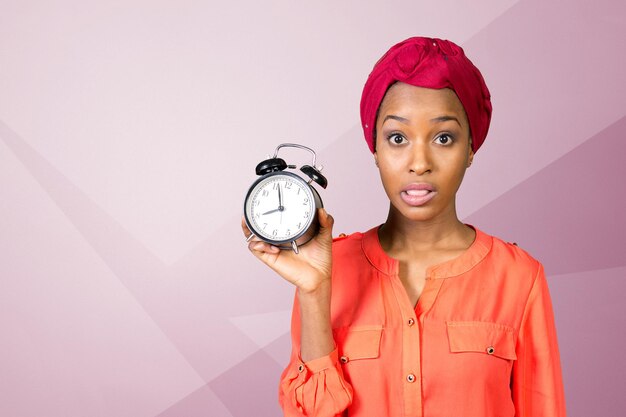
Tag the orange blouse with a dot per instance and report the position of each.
(481, 340)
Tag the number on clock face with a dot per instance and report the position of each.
(279, 207)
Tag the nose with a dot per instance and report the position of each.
(421, 161)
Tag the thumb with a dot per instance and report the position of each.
(326, 222)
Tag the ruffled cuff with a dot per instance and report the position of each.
(315, 388)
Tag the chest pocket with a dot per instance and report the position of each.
(482, 337)
(358, 342)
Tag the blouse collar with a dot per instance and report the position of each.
(456, 266)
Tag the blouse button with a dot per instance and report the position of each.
(411, 322)
(300, 368)
(344, 359)
(490, 350)
(410, 378)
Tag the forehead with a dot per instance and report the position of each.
(409, 99)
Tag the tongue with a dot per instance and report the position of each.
(417, 192)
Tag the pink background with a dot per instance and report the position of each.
(129, 131)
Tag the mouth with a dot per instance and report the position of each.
(418, 194)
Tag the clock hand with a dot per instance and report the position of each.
(280, 204)
(280, 199)
(270, 212)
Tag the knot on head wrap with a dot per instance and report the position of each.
(430, 63)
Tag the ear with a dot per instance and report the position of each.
(470, 158)
(376, 158)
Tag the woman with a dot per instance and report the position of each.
(428, 316)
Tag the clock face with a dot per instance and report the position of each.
(280, 207)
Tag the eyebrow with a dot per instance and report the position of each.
(445, 118)
(439, 119)
(398, 118)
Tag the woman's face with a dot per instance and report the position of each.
(422, 136)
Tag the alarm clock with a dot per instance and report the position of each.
(280, 207)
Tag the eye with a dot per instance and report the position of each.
(396, 139)
(446, 139)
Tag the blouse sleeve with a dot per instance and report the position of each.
(537, 385)
(316, 388)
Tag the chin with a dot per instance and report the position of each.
(420, 213)
(419, 217)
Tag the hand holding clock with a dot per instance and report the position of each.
(307, 270)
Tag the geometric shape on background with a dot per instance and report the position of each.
(264, 328)
(280, 349)
(139, 117)
(76, 83)
(556, 80)
(75, 341)
(201, 403)
(590, 316)
(251, 387)
(189, 292)
(571, 214)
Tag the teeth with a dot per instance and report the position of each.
(417, 192)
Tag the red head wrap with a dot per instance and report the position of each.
(431, 63)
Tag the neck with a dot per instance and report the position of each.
(402, 235)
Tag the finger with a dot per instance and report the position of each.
(247, 233)
(326, 222)
(259, 248)
(244, 227)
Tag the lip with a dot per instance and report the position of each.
(415, 200)
(419, 186)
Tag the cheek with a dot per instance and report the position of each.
(388, 176)
(456, 176)
(393, 161)
(384, 175)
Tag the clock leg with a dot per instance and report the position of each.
(294, 246)
(250, 237)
